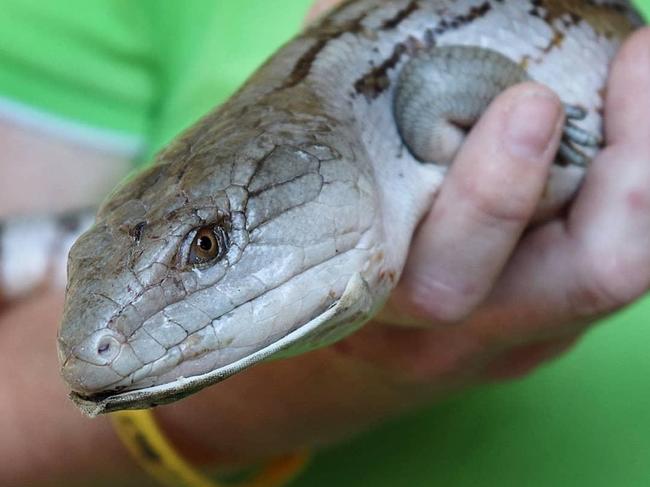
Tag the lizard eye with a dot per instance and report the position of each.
(209, 244)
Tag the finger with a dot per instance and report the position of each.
(599, 260)
(626, 120)
(610, 221)
(487, 200)
(517, 362)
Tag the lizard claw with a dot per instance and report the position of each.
(575, 112)
(574, 138)
(568, 154)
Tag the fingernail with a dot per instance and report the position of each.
(532, 123)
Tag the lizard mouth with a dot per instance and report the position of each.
(343, 317)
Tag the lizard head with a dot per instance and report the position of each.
(204, 260)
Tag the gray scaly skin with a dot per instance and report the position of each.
(282, 220)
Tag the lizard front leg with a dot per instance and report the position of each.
(442, 91)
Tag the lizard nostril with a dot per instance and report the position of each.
(104, 347)
(100, 348)
(107, 347)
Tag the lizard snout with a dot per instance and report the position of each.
(89, 367)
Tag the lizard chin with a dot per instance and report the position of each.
(344, 316)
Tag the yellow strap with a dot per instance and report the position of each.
(146, 442)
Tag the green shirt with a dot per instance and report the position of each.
(149, 68)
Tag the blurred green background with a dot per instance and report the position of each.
(152, 67)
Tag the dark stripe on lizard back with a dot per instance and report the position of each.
(328, 31)
(374, 83)
(614, 23)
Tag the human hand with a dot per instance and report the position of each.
(514, 300)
